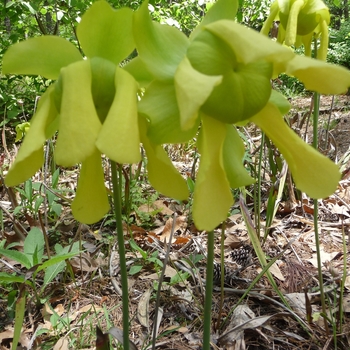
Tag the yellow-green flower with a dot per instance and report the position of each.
(300, 20)
(92, 105)
(218, 77)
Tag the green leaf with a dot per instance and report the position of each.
(159, 104)
(91, 201)
(17, 256)
(19, 318)
(55, 260)
(79, 123)
(34, 246)
(135, 269)
(31, 156)
(44, 55)
(313, 173)
(160, 47)
(161, 172)
(8, 278)
(121, 123)
(107, 33)
(212, 195)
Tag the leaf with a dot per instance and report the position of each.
(160, 47)
(17, 256)
(19, 318)
(8, 278)
(107, 33)
(34, 246)
(102, 340)
(79, 123)
(121, 123)
(135, 269)
(143, 308)
(54, 260)
(44, 55)
(91, 201)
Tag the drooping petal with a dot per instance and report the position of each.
(192, 89)
(160, 47)
(292, 22)
(119, 137)
(91, 201)
(79, 123)
(233, 153)
(313, 173)
(222, 9)
(44, 55)
(161, 172)
(31, 155)
(160, 106)
(319, 76)
(139, 71)
(212, 195)
(106, 33)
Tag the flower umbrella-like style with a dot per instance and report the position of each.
(300, 20)
(92, 105)
(218, 77)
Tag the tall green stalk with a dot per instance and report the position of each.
(208, 292)
(121, 249)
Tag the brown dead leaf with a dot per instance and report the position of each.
(143, 308)
(180, 224)
(233, 241)
(62, 344)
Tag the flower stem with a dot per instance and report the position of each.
(208, 292)
(121, 248)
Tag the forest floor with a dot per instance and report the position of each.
(88, 294)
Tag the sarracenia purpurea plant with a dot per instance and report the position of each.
(217, 78)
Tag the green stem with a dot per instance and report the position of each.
(121, 248)
(317, 236)
(208, 292)
(257, 204)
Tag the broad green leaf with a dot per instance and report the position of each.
(34, 246)
(8, 278)
(192, 88)
(212, 195)
(55, 260)
(222, 9)
(44, 55)
(17, 256)
(233, 153)
(160, 47)
(119, 137)
(312, 172)
(319, 76)
(251, 46)
(79, 123)
(107, 33)
(160, 106)
(91, 202)
(139, 71)
(31, 155)
(161, 172)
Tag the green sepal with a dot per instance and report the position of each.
(280, 102)
(44, 55)
(31, 155)
(313, 173)
(160, 106)
(119, 137)
(91, 201)
(79, 123)
(222, 9)
(233, 153)
(212, 194)
(106, 33)
(161, 172)
(139, 71)
(160, 47)
(319, 76)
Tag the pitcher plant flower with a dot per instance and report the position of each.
(92, 105)
(300, 21)
(218, 78)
